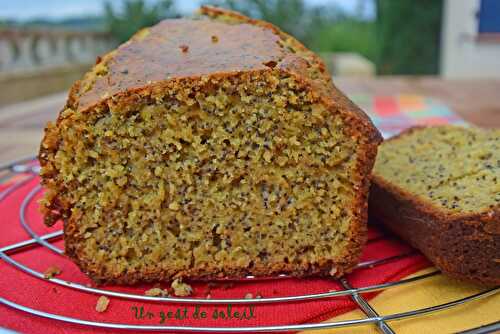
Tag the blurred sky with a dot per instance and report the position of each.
(57, 9)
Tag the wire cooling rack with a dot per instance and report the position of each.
(25, 166)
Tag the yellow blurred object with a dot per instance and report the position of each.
(424, 293)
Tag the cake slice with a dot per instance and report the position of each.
(209, 147)
(439, 189)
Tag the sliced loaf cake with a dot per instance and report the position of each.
(209, 147)
(439, 189)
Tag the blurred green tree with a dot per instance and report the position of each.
(404, 39)
(348, 35)
(408, 35)
(324, 29)
(292, 16)
(136, 14)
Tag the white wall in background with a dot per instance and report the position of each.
(462, 55)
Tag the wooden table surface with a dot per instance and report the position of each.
(477, 101)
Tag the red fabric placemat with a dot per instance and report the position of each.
(42, 295)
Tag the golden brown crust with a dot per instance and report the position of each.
(183, 53)
(464, 246)
(158, 56)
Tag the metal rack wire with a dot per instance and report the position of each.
(356, 294)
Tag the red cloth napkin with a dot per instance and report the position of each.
(27, 290)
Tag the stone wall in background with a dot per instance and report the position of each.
(27, 49)
(36, 62)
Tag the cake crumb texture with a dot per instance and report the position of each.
(455, 168)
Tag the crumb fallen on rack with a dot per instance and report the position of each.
(208, 296)
(248, 296)
(156, 292)
(102, 304)
(258, 295)
(181, 289)
(51, 272)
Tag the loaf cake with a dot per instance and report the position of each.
(439, 189)
(209, 147)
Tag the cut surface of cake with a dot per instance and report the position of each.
(439, 189)
(209, 147)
